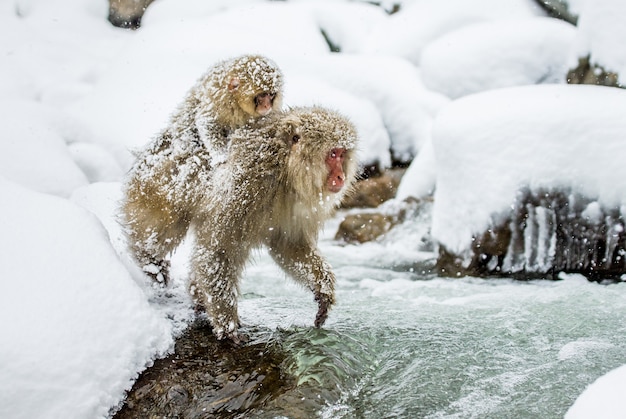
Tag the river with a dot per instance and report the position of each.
(402, 342)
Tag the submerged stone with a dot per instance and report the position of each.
(294, 373)
(206, 378)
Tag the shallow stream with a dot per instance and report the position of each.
(402, 342)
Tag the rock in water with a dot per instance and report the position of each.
(205, 378)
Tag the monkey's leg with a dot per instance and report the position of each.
(215, 283)
(153, 233)
(303, 262)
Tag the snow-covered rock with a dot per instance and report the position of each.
(77, 328)
(34, 150)
(600, 31)
(604, 398)
(491, 55)
(408, 32)
(491, 146)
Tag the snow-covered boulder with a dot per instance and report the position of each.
(602, 399)
(34, 152)
(77, 329)
(408, 32)
(532, 179)
(598, 43)
(491, 55)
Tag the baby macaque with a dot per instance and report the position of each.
(283, 177)
(232, 93)
(164, 185)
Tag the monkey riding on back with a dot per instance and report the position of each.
(164, 186)
(280, 176)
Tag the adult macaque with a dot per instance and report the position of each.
(282, 178)
(164, 185)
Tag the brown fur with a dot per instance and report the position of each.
(270, 190)
(225, 95)
(164, 186)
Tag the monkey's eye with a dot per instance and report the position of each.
(295, 138)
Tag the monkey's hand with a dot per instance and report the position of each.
(324, 302)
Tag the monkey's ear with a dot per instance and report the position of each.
(291, 130)
(233, 84)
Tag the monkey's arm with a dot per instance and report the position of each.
(303, 262)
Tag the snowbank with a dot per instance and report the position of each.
(491, 55)
(77, 328)
(602, 399)
(490, 145)
(600, 33)
(406, 33)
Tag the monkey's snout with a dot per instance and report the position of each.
(335, 183)
(264, 103)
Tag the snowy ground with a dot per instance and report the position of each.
(77, 95)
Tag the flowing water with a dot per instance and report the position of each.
(402, 342)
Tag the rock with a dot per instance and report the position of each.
(365, 227)
(373, 191)
(208, 378)
(127, 13)
(547, 232)
(294, 373)
(586, 73)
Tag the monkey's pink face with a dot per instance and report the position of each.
(264, 103)
(336, 176)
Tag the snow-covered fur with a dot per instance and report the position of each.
(224, 98)
(162, 187)
(269, 189)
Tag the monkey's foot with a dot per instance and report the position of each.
(237, 338)
(159, 271)
(233, 337)
(226, 328)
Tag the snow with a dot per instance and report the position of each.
(408, 32)
(601, 27)
(602, 399)
(79, 95)
(491, 55)
(490, 145)
(80, 328)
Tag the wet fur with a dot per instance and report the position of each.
(267, 190)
